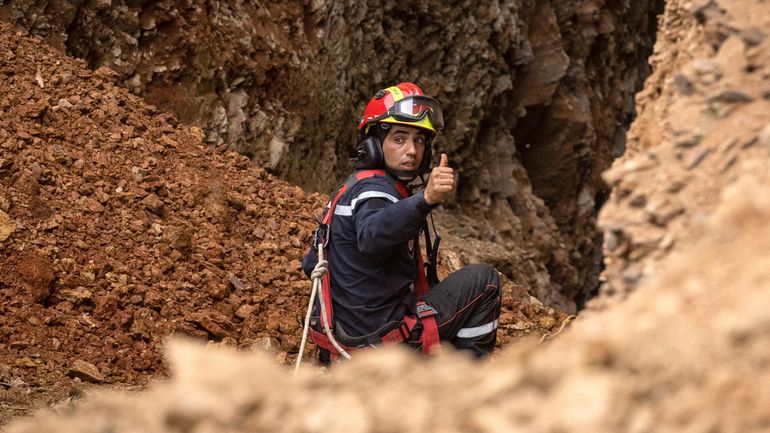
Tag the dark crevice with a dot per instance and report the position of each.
(550, 169)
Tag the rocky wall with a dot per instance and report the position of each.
(537, 95)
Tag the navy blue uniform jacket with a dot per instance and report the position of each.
(372, 254)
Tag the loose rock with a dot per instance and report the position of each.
(85, 371)
(7, 226)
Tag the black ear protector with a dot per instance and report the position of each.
(369, 154)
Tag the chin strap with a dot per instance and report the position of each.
(404, 176)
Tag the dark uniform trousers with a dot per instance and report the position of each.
(468, 306)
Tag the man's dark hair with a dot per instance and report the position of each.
(378, 131)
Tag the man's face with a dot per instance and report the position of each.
(404, 147)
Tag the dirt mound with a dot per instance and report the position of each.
(121, 228)
(689, 354)
(118, 228)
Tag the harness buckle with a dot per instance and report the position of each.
(424, 310)
(320, 235)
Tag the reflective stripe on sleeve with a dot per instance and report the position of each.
(478, 330)
(371, 194)
(343, 210)
(348, 210)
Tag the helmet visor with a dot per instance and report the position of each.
(415, 108)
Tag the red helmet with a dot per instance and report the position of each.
(404, 104)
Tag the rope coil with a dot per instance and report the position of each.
(320, 269)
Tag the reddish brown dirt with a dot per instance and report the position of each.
(125, 230)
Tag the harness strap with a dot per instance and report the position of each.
(431, 343)
(421, 285)
(426, 313)
(430, 339)
(395, 336)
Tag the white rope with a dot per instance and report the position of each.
(321, 268)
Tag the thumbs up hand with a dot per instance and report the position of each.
(441, 182)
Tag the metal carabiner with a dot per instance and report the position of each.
(321, 235)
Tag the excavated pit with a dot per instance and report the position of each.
(686, 234)
(523, 83)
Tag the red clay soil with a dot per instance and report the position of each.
(124, 229)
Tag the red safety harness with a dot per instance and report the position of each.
(425, 313)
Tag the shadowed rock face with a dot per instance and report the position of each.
(537, 94)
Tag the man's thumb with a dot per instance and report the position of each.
(444, 161)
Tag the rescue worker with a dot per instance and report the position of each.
(373, 243)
